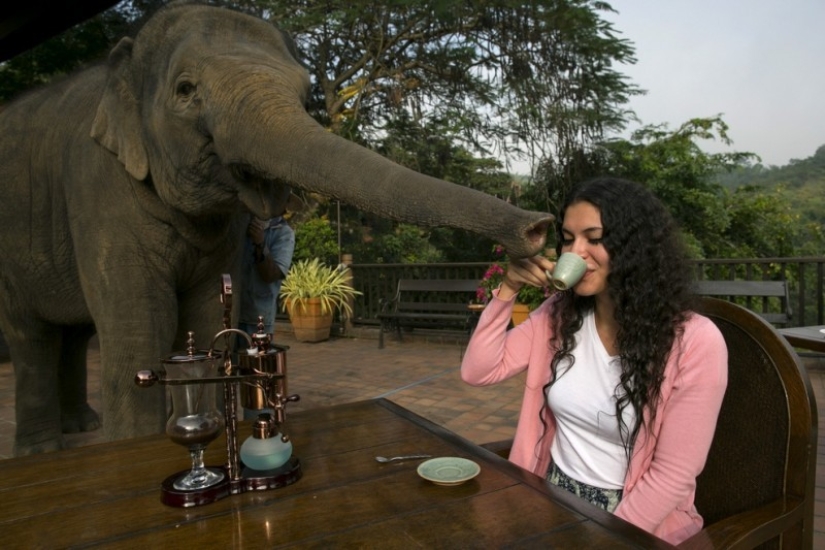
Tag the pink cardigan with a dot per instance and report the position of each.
(661, 480)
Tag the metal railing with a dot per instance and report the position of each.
(805, 277)
(378, 281)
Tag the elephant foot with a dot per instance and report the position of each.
(84, 420)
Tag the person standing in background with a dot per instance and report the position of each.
(267, 256)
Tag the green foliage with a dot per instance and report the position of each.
(458, 245)
(312, 279)
(90, 41)
(439, 86)
(392, 243)
(801, 186)
(748, 223)
(408, 244)
(430, 148)
(528, 295)
(370, 239)
(430, 82)
(762, 223)
(535, 75)
(315, 238)
(54, 58)
(656, 156)
(532, 296)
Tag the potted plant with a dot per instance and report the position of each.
(528, 298)
(311, 293)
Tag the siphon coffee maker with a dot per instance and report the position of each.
(259, 380)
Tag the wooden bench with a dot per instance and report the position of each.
(428, 303)
(757, 296)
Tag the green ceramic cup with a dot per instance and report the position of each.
(569, 270)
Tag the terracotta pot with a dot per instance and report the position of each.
(520, 313)
(308, 322)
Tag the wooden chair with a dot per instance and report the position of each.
(758, 484)
(757, 488)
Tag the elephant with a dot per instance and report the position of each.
(124, 192)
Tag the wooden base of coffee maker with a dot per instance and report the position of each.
(251, 480)
(181, 498)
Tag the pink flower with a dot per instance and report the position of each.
(493, 270)
(492, 278)
(481, 295)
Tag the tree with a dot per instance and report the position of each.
(761, 223)
(500, 75)
(429, 149)
(70, 50)
(511, 70)
(529, 78)
(749, 222)
(445, 86)
(802, 181)
(505, 75)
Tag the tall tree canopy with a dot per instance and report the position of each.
(474, 81)
(717, 222)
(535, 77)
(446, 87)
(804, 180)
(449, 87)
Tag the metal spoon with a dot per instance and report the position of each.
(384, 460)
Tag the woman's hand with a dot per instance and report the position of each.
(525, 271)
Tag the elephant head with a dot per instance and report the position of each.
(206, 106)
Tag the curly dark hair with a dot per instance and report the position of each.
(649, 283)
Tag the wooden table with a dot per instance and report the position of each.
(108, 495)
(805, 337)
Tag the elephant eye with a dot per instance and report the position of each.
(185, 88)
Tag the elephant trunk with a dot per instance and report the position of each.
(298, 151)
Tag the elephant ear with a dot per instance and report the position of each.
(117, 122)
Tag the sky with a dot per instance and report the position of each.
(758, 63)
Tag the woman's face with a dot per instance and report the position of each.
(582, 234)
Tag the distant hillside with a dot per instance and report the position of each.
(804, 181)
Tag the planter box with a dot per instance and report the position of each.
(520, 313)
(308, 322)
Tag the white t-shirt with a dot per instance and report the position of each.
(587, 445)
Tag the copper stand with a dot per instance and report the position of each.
(262, 371)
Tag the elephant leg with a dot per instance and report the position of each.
(127, 410)
(35, 352)
(75, 413)
(129, 344)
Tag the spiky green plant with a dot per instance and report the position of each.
(312, 279)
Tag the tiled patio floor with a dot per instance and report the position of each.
(419, 375)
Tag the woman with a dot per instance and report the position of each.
(624, 382)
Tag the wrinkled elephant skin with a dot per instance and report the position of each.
(124, 190)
